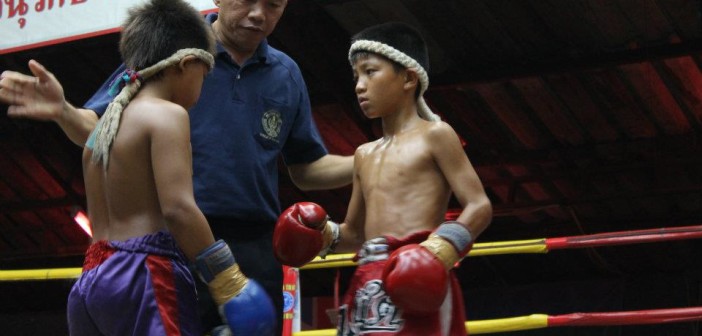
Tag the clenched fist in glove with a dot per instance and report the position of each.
(416, 275)
(302, 232)
(243, 303)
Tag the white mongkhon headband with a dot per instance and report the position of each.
(126, 86)
(406, 61)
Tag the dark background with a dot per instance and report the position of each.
(580, 116)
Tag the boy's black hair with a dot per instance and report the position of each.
(155, 30)
(400, 36)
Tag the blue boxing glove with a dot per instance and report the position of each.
(243, 304)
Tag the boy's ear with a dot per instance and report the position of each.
(411, 79)
(185, 60)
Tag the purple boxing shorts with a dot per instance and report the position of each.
(140, 286)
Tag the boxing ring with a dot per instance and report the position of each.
(533, 321)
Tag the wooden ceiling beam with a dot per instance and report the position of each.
(675, 147)
(35, 205)
(518, 208)
(485, 73)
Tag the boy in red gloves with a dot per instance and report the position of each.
(401, 189)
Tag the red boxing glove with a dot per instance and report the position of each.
(301, 233)
(415, 279)
(416, 276)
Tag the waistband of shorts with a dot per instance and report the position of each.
(96, 254)
(379, 248)
(159, 243)
(375, 249)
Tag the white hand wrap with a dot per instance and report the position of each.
(332, 235)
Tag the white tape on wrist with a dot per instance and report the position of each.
(336, 236)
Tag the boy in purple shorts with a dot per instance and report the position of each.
(138, 179)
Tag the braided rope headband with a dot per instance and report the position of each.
(406, 61)
(131, 81)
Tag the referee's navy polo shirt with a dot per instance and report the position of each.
(245, 118)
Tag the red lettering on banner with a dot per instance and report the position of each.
(20, 7)
(41, 4)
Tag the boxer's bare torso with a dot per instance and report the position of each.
(402, 185)
(147, 186)
(127, 193)
(403, 181)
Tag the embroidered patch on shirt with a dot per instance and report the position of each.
(271, 122)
